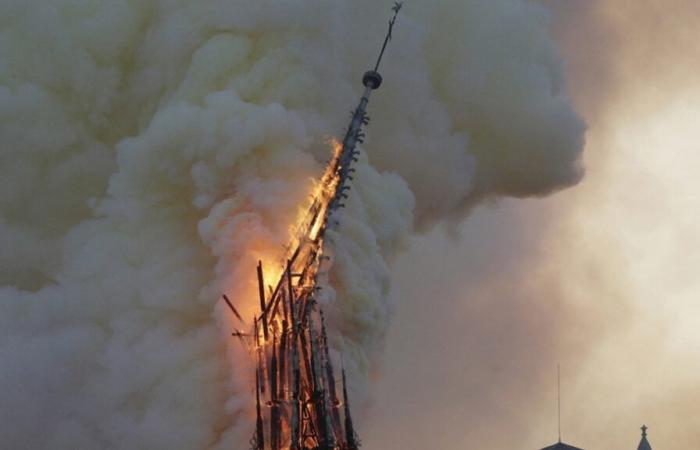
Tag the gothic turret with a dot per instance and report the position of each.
(644, 443)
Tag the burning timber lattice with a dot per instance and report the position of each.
(297, 404)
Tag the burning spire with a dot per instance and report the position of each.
(297, 406)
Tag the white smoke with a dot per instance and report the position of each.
(152, 151)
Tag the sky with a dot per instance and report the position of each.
(600, 278)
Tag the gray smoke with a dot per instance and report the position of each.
(152, 151)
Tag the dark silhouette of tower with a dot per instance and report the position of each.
(644, 443)
(561, 446)
(297, 404)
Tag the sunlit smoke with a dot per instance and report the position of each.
(599, 278)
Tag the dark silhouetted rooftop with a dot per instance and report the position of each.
(561, 446)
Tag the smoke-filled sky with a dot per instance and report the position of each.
(601, 278)
(152, 151)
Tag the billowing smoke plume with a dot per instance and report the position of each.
(152, 152)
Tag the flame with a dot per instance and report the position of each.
(305, 228)
(309, 219)
(294, 289)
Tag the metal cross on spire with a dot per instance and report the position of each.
(396, 8)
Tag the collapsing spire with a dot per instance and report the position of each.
(297, 406)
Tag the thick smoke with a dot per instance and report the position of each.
(153, 151)
(601, 278)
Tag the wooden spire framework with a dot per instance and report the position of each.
(297, 403)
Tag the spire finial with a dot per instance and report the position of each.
(396, 8)
(559, 401)
(644, 430)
